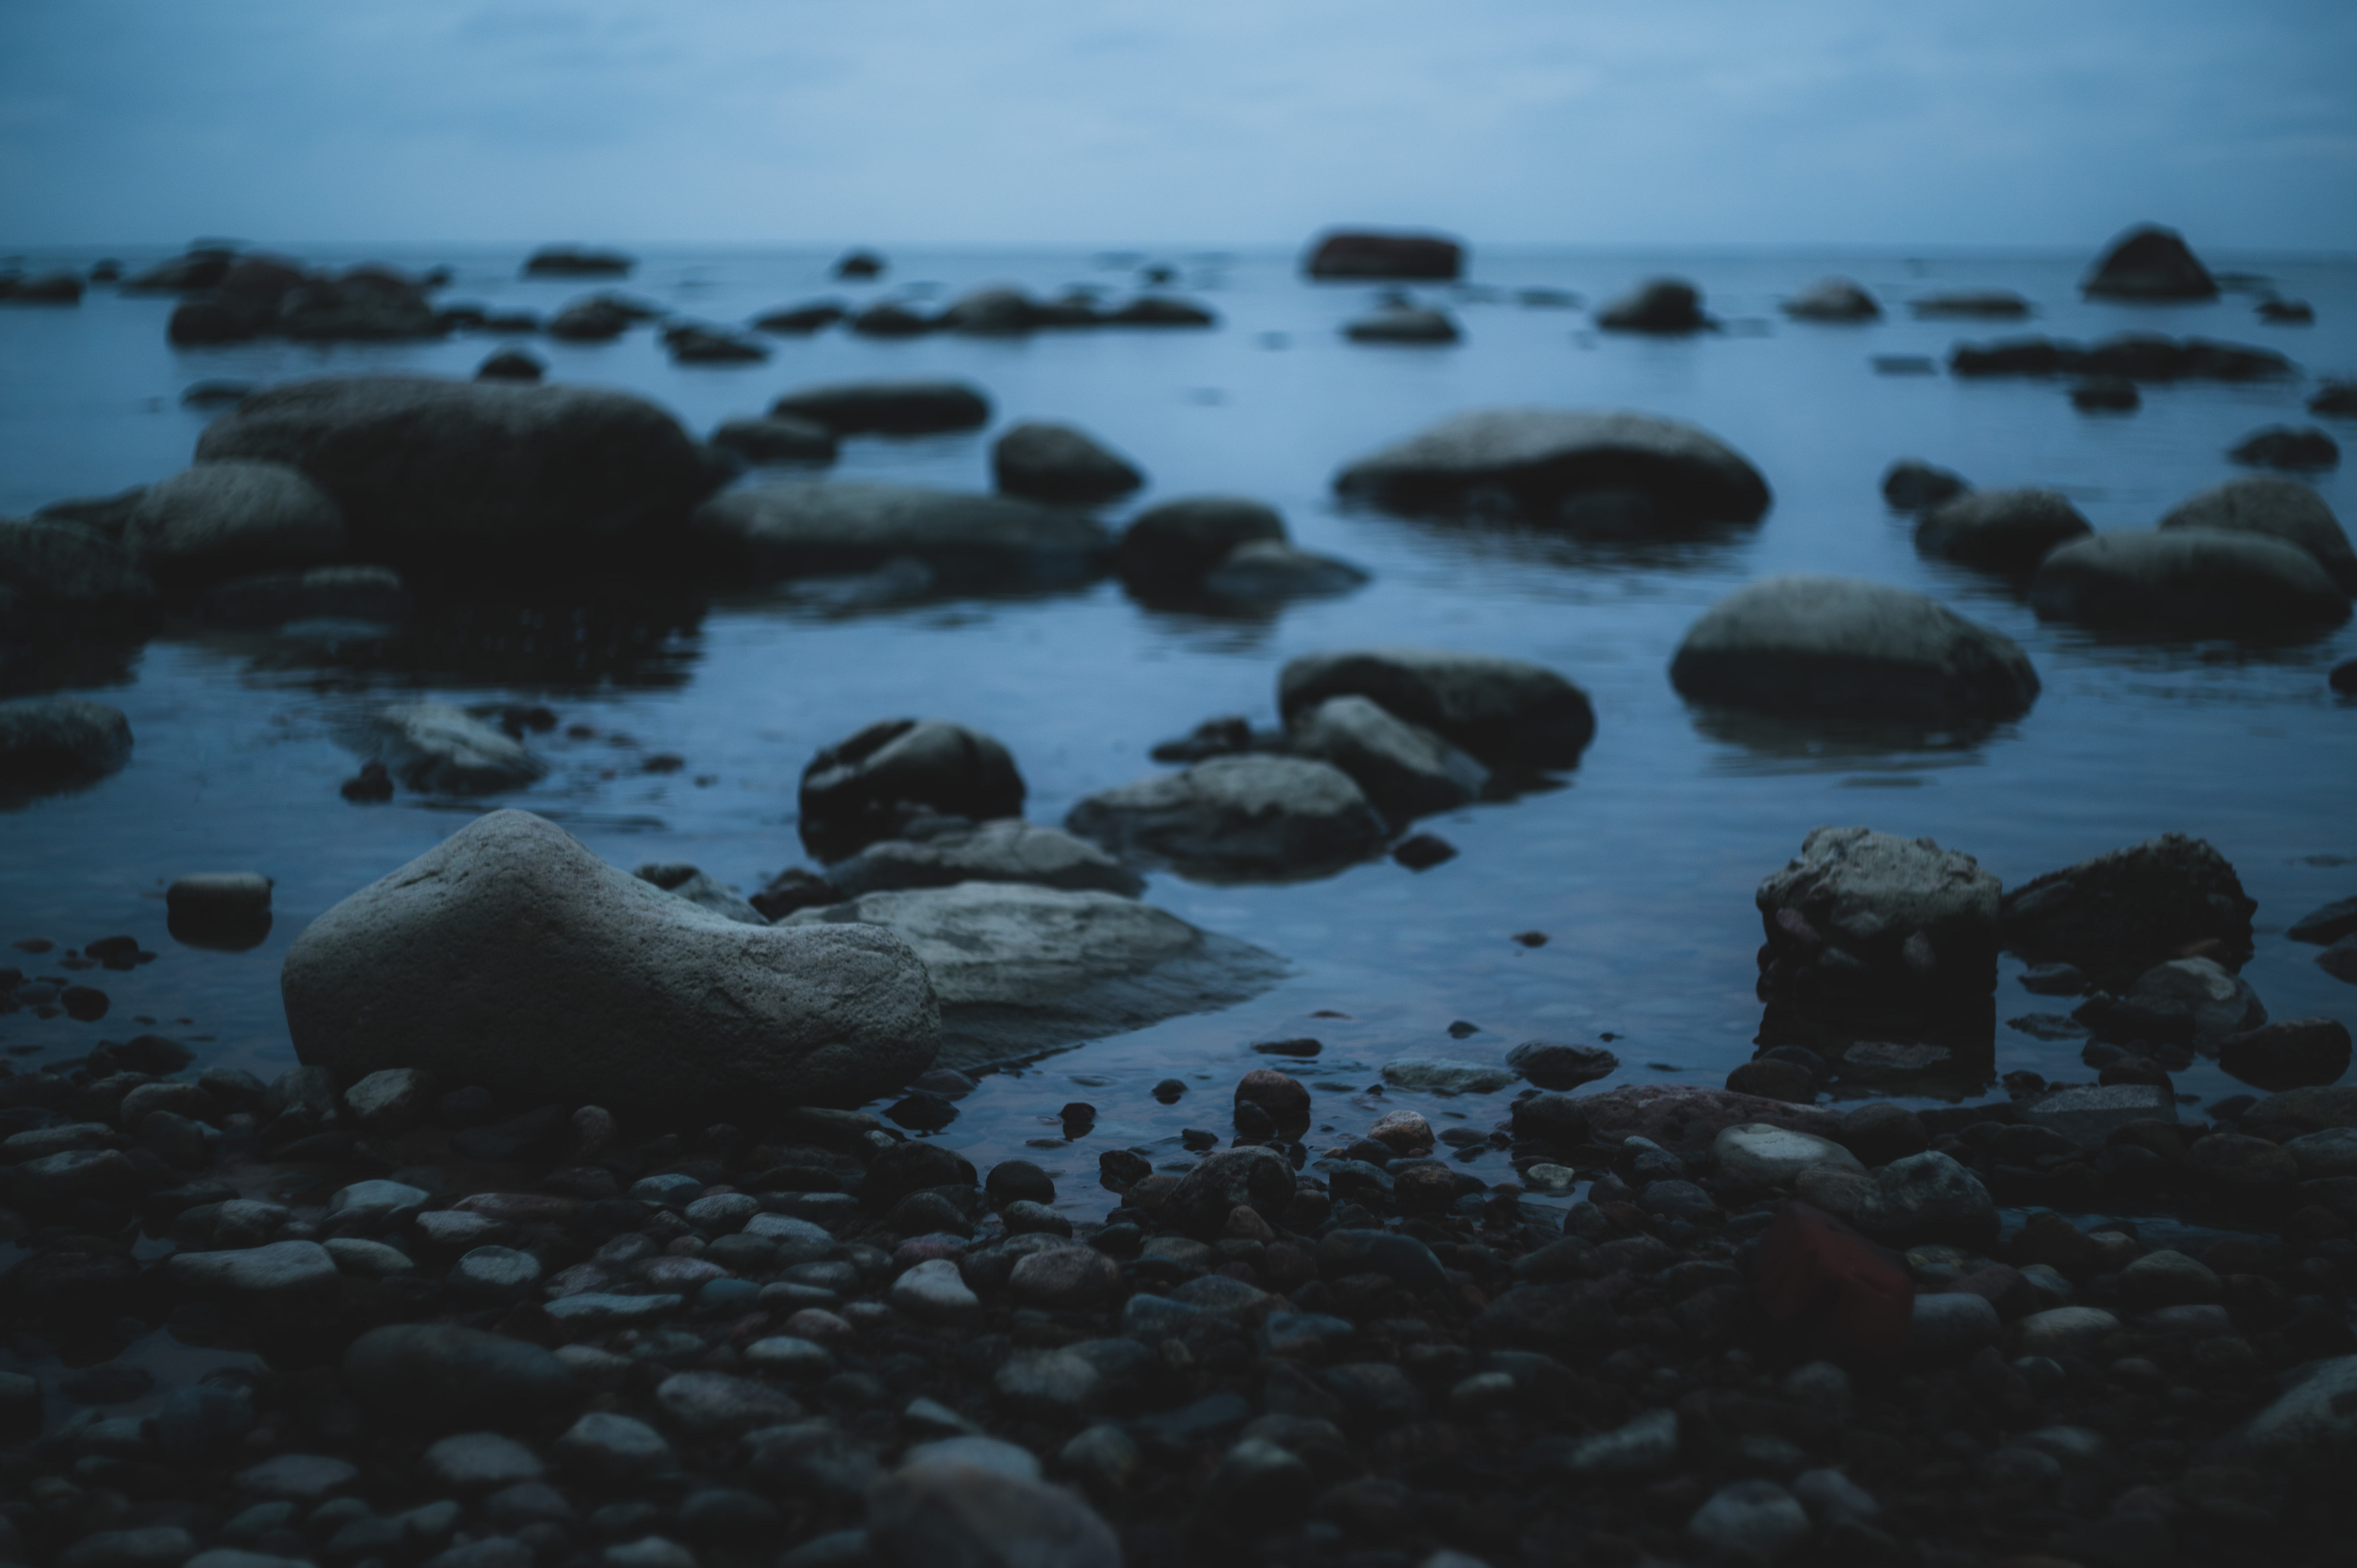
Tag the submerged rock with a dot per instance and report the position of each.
(1236, 818)
(2278, 509)
(2149, 262)
(438, 750)
(1506, 712)
(1021, 968)
(2119, 914)
(2189, 582)
(2000, 530)
(1007, 850)
(1842, 647)
(1863, 910)
(887, 408)
(791, 530)
(510, 956)
(1611, 473)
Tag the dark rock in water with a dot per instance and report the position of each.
(1267, 570)
(1862, 911)
(107, 516)
(590, 321)
(364, 305)
(1839, 647)
(552, 970)
(1008, 850)
(1552, 1065)
(2000, 530)
(512, 365)
(1169, 548)
(1403, 324)
(995, 311)
(219, 899)
(1505, 712)
(890, 319)
(1833, 300)
(800, 320)
(2335, 398)
(1911, 485)
(373, 786)
(706, 892)
(1019, 968)
(2114, 394)
(1980, 304)
(1422, 851)
(2118, 915)
(445, 1377)
(2189, 582)
(2149, 262)
(216, 393)
(1406, 770)
(1229, 737)
(2280, 509)
(887, 408)
(795, 531)
(41, 288)
(2340, 959)
(2282, 446)
(1613, 474)
(1159, 310)
(59, 571)
(864, 789)
(337, 593)
(2327, 924)
(695, 343)
(1057, 464)
(858, 263)
(2286, 312)
(777, 439)
(1360, 253)
(2136, 356)
(218, 520)
(201, 268)
(2297, 1053)
(436, 749)
(1236, 818)
(2343, 678)
(48, 743)
(577, 261)
(1661, 305)
(473, 474)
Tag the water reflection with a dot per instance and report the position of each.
(1615, 539)
(1757, 742)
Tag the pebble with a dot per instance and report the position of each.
(282, 1267)
(1757, 1521)
(481, 1461)
(593, 1311)
(369, 1259)
(296, 1478)
(933, 1291)
(1446, 1075)
(608, 1445)
(445, 1375)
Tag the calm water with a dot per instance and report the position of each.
(1640, 869)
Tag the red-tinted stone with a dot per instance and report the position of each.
(1847, 1296)
(1285, 1098)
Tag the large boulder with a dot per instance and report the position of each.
(1608, 473)
(869, 786)
(1664, 306)
(1168, 549)
(1910, 484)
(887, 408)
(2300, 449)
(221, 520)
(511, 956)
(1837, 646)
(2190, 582)
(2000, 530)
(2279, 509)
(60, 570)
(1268, 569)
(366, 304)
(792, 530)
(1359, 253)
(1056, 463)
(2150, 263)
(1237, 819)
(1021, 968)
(1506, 712)
(461, 475)
(2119, 914)
(1833, 300)
(1406, 770)
(48, 743)
(1863, 910)
(1007, 850)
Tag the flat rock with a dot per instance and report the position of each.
(887, 408)
(1448, 1076)
(222, 519)
(1237, 819)
(282, 1267)
(1864, 910)
(2221, 1003)
(49, 744)
(435, 748)
(445, 1376)
(1406, 770)
(2117, 915)
(1833, 300)
(1022, 968)
(2190, 582)
(1060, 464)
(1503, 711)
(2285, 509)
(1843, 648)
(512, 957)
(1768, 1156)
(1611, 473)
(807, 530)
(1006, 850)
(2088, 1113)
(2000, 530)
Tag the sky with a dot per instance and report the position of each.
(1986, 123)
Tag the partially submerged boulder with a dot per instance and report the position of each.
(1021, 968)
(1610, 473)
(1837, 646)
(437, 749)
(2005, 531)
(1407, 770)
(1237, 819)
(1006, 850)
(2119, 914)
(1058, 464)
(869, 785)
(1403, 324)
(777, 439)
(793, 531)
(1861, 910)
(1833, 300)
(2191, 582)
(1910, 484)
(2149, 262)
(1661, 306)
(2277, 508)
(58, 570)
(1168, 549)
(221, 520)
(887, 408)
(1267, 570)
(512, 957)
(1363, 253)
(50, 744)
(1505, 712)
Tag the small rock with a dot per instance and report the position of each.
(612, 1447)
(1755, 1520)
(480, 1461)
(1446, 1075)
(282, 1267)
(933, 1291)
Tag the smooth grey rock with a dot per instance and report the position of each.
(1643, 1446)
(1269, 569)
(1833, 300)
(1168, 549)
(2060, 1331)
(2193, 581)
(511, 956)
(1405, 771)
(689, 882)
(1757, 1521)
(716, 1403)
(2222, 1003)
(495, 1274)
(1862, 909)
(1950, 1326)
(1237, 819)
(2278, 509)
(1504, 711)
(1774, 1156)
(281, 1268)
(368, 1259)
(2086, 1113)
(376, 1204)
(2316, 1415)
(1609, 472)
(933, 1293)
(1927, 1198)
(1446, 1075)
(2000, 530)
(938, 1513)
(610, 1446)
(793, 1357)
(590, 1312)
(1057, 464)
(60, 743)
(993, 1454)
(454, 473)
(1838, 647)
(221, 519)
(799, 531)
(1052, 1383)
(798, 1241)
(1007, 850)
(435, 748)
(887, 408)
(479, 1461)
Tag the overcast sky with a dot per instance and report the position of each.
(1929, 123)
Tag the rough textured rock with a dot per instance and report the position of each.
(1239, 818)
(1833, 300)
(794, 530)
(867, 787)
(56, 570)
(1551, 1064)
(2000, 530)
(2150, 263)
(2297, 1053)
(1861, 909)
(1687, 1120)
(1664, 306)
(467, 474)
(2187, 582)
(1007, 850)
(1406, 770)
(2279, 509)
(59, 743)
(512, 957)
(1360, 253)
(1250, 1176)
(1928, 1198)
(887, 408)
(2117, 915)
(1608, 473)
(1021, 968)
(2221, 1003)
(1168, 549)
(1911, 484)
(435, 748)
(1057, 464)
(1839, 647)
(1506, 712)
(699, 888)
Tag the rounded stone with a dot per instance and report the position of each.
(1775, 1156)
(2061, 1331)
(2277, 508)
(610, 1446)
(2186, 582)
(934, 1293)
(495, 1274)
(1500, 710)
(442, 1375)
(480, 1461)
(1755, 1522)
(1056, 463)
(2000, 530)
(1169, 548)
(221, 519)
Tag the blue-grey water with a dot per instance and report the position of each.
(1640, 869)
